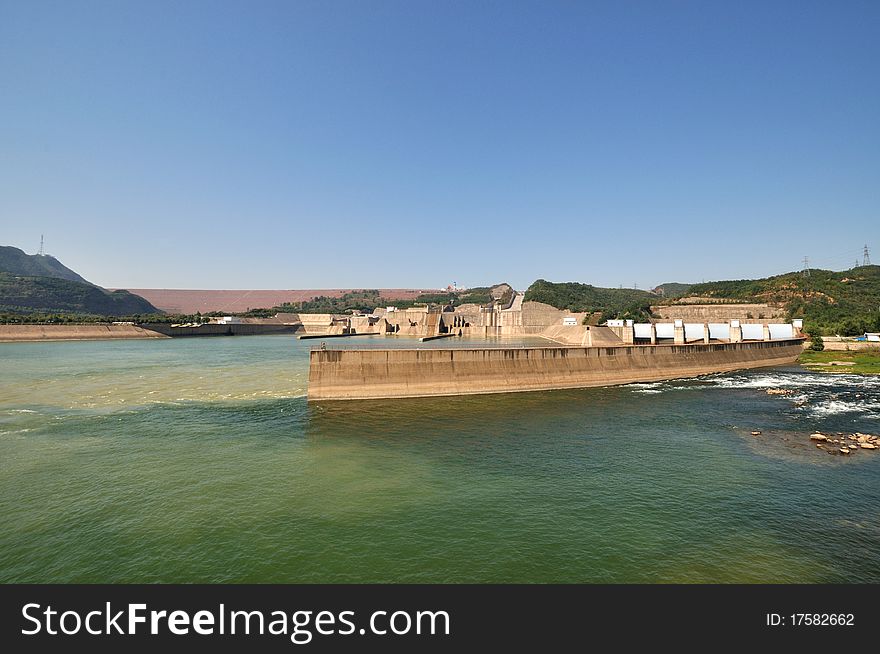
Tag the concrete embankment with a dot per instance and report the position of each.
(372, 374)
(212, 329)
(23, 333)
(842, 344)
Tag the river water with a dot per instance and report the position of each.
(199, 460)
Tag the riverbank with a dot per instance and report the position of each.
(862, 362)
(92, 332)
(847, 344)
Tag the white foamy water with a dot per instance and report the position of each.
(834, 407)
(817, 395)
(793, 380)
(647, 388)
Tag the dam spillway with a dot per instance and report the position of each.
(360, 374)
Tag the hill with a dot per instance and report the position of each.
(845, 302)
(17, 262)
(27, 294)
(611, 302)
(33, 283)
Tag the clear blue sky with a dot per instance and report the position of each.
(375, 144)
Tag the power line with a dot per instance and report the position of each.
(42, 252)
(806, 271)
(866, 257)
(834, 259)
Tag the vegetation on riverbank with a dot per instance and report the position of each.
(862, 362)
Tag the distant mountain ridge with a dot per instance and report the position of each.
(18, 262)
(37, 283)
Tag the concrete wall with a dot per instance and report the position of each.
(841, 344)
(366, 374)
(532, 319)
(315, 319)
(12, 333)
(718, 312)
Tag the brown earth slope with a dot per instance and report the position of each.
(204, 301)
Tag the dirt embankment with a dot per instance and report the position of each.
(205, 301)
(22, 333)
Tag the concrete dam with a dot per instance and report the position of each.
(400, 373)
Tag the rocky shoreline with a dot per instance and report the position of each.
(834, 443)
(843, 443)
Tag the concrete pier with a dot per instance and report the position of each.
(373, 374)
(312, 336)
(736, 332)
(678, 331)
(434, 338)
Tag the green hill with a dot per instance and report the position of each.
(33, 283)
(611, 302)
(26, 294)
(846, 302)
(17, 262)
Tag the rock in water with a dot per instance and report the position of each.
(868, 446)
(818, 437)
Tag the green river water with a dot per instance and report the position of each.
(199, 460)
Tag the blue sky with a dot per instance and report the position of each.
(409, 144)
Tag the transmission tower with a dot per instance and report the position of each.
(806, 270)
(866, 258)
(42, 252)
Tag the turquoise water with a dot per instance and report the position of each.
(199, 460)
